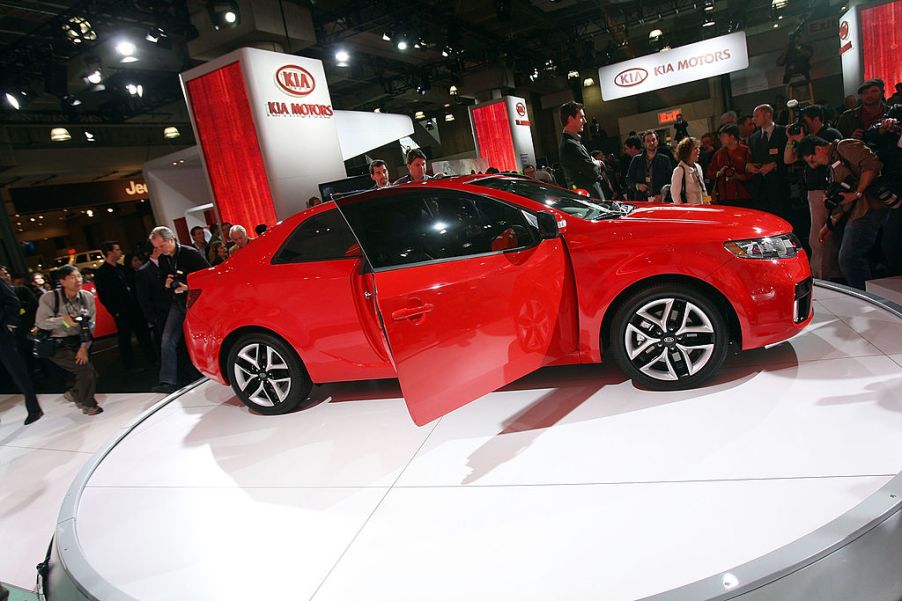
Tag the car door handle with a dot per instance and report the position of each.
(410, 312)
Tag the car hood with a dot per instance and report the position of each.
(740, 223)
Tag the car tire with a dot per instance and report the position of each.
(669, 337)
(267, 374)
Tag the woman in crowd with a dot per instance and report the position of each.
(687, 184)
(219, 252)
(727, 169)
(38, 284)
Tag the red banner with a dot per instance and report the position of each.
(228, 139)
(881, 43)
(493, 136)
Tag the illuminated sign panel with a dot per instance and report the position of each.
(701, 60)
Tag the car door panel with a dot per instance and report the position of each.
(461, 329)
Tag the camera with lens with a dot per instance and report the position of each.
(798, 126)
(178, 279)
(833, 194)
(84, 327)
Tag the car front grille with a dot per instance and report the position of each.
(802, 304)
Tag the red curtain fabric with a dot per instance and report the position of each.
(228, 139)
(493, 136)
(881, 43)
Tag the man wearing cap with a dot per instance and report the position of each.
(854, 122)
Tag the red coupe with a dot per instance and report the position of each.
(459, 286)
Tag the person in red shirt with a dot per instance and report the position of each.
(727, 169)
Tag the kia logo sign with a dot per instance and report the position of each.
(843, 30)
(294, 80)
(521, 109)
(630, 77)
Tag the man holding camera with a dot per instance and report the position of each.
(886, 137)
(68, 314)
(852, 168)
(176, 262)
(824, 256)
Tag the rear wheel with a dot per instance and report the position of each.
(267, 375)
(669, 337)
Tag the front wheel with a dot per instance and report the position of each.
(669, 337)
(267, 375)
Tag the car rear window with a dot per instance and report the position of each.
(319, 238)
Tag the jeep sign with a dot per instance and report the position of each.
(664, 69)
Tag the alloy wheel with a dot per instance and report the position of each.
(262, 374)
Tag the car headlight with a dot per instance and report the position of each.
(784, 246)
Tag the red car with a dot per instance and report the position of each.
(459, 286)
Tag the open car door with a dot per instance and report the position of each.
(471, 295)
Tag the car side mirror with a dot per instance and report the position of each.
(547, 225)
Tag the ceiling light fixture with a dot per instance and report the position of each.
(573, 75)
(709, 21)
(89, 137)
(78, 30)
(171, 132)
(223, 13)
(135, 90)
(588, 82)
(709, 5)
(125, 48)
(60, 134)
(453, 90)
(419, 115)
(449, 117)
(402, 44)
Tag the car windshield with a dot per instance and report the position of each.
(557, 198)
(60, 261)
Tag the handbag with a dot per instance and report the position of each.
(44, 345)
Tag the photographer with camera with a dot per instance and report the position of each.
(176, 262)
(727, 170)
(68, 314)
(852, 168)
(824, 256)
(855, 121)
(886, 137)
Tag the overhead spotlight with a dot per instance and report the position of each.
(125, 48)
(709, 5)
(69, 101)
(377, 110)
(402, 44)
(447, 51)
(452, 91)
(171, 132)
(573, 75)
(342, 58)
(779, 4)
(134, 90)
(419, 115)
(89, 212)
(549, 65)
(155, 35)
(90, 137)
(94, 77)
(776, 25)
(534, 75)
(15, 99)
(588, 82)
(386, 35)
(655, 35)
(709, 21)
(109, 209)
(79, 30)
(223, 13)
(449, 117)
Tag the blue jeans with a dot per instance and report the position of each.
(857, 241)
(169, 351)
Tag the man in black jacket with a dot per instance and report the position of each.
(770, 186)
(176, 262)
(118, 298)
(153, 298)
(580, 169)
(649, 171)
(9, 353)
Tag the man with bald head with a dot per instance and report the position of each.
(770, 185)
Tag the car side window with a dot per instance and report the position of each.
(420, 226)
(82, 258)
(319, 238)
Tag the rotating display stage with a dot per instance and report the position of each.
(569, 484)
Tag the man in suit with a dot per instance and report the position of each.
(9, 352)
(118, 298)
(580, 169)
(770, 185)
(153, 298)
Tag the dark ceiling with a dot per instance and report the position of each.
(474, 44)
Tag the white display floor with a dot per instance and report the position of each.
(569, 484)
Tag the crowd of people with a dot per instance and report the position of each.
(144, 294)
